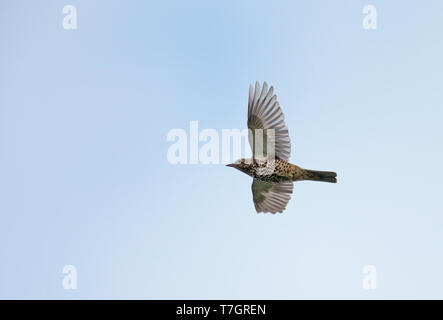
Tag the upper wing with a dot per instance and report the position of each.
(264, 113)
(271, 197)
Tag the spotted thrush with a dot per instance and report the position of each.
(271, 147)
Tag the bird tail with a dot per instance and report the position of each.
(325, 176)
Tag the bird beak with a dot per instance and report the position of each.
(231, 165)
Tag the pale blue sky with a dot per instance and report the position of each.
(85, 179)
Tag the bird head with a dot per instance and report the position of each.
(244, 165)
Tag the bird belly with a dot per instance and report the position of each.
(272, 178)
(276, 171)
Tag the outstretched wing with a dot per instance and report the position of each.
(264, 113)
(271, 197)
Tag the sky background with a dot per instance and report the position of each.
(84, 177)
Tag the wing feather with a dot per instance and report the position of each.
(264, 113)
(271, 197)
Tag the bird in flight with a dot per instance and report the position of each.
(273, 175)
